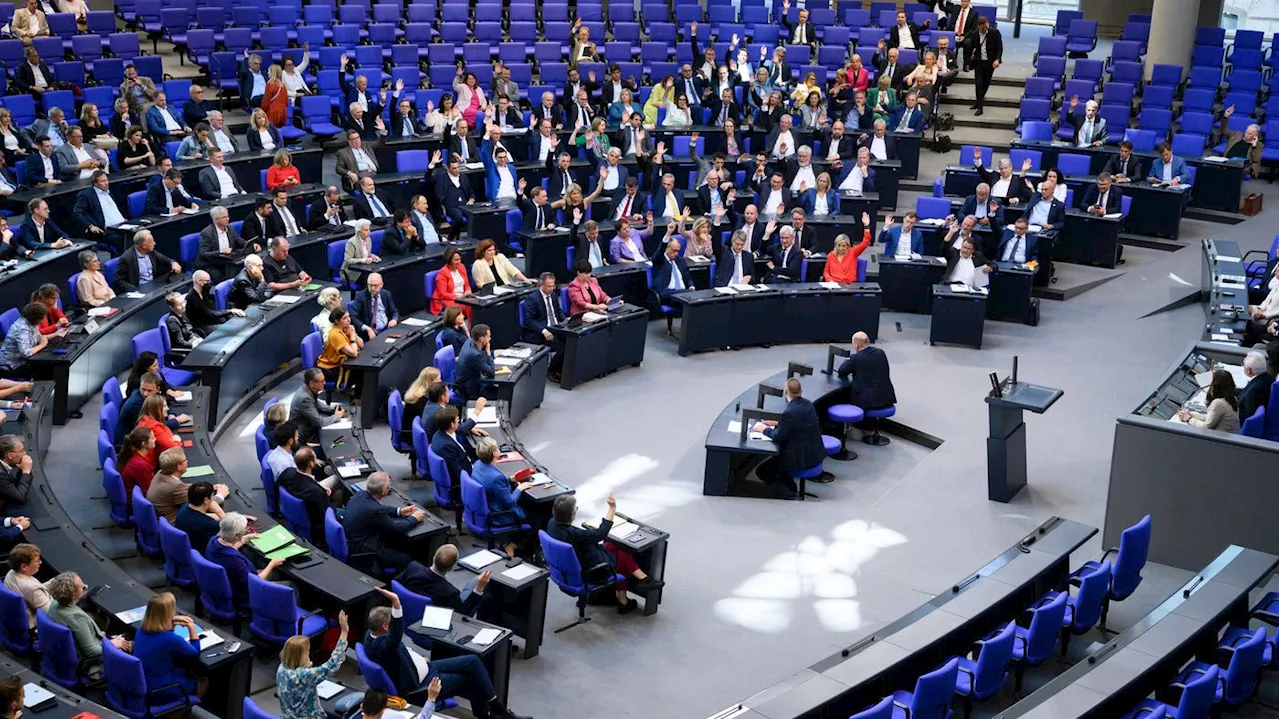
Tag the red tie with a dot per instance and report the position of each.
(626, 207)
(960, 22)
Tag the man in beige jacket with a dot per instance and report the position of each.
(29, 22)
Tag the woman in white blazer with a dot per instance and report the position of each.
(493, 267)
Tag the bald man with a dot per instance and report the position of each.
(432, 582)
(867, 370)
(373, 309)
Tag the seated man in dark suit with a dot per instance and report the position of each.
(475, 367)
(1123, 167)
(15, 472)
(372, 203)
(598, 558)
(262, 224)
(541, 309)
(867, 370)
(404, 122)
(785, 258)
(374, 530)
(1102, 199)
(166, 196)
(96, 210)
(300, 481)
(1046, 211)
(984, 208)
(373, 309)
(412, 673)
(142, 263)
(327, 211)
(451, 445)
(431, 582)
(42, 167)
(217, 180)
(1016, 245)
(670, 274)
(402, 237)
(221, 247)
(735, 264)
(453, 190)
(1258, 392)
(39, 231)
(439, 397)
(799, 440)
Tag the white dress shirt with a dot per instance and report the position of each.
(290, 224)
(223, 141)
(853, 181)
(611, 181)
(903, 249)
(267, 142)
(1001, 188)
(805, 175)
(820, 208)
(784, 137)
(878, 150)
(40, 80)
(82, 155)
(770, 208)
(170, 124)
(904, 37)
(506, 186)
(964, 272)
(226, 186)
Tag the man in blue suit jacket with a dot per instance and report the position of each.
(39, 231)
(1046, 211)
(494, 168)
(1016, 245)
(799, 440)
(88, 217)
(34, 170)
(1167, 167)
(670, 274)
(452, 446)
(359, 92)
(786, 258)
(891, 235)
(867, 370)
(464, 675)
(879, 141)
(725, 266)
(363, 306)
(253, 79)
(474, 369)
(11, 531)
(372, 527)
(863, 167)
(984, 208)
(541, 309)
(908, 113)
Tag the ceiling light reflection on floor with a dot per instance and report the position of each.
(816, 580)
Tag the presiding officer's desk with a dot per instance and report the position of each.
(321, 579)
(392, 360)
(64, 547)
(498, 308)
(525, 385)
(783, 313)
(404, 275)
(894, 656)
(92, 358)
(347, 449)
(21, 279)
(1225, 291)
(595, 349)
(243, 350)
(1175, 472)
(1144, 658)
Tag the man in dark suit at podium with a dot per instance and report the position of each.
(542, 309)
(867, 370)
(799, 440)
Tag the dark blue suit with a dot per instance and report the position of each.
(155, 204)
(88, 211)
(798, 436)
(724, 266)
(26, 235)
(370, 525)
(33, 170)
(1029, 247)
(809, 200)
(458, 675)
(536, 320)
(891, 236)
(454, 456)
(868, 182)
(474, 367)
(970, 207)
(455, 338)
(916, 123)
(787, 270)
(1057, 213)
(868, 375)
(662, 273)
(362, 308)
(890, 146)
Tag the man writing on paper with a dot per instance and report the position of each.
(799, 440)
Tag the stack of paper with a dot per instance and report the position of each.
(479, 560)
(726, 291)
(488, 415)
(507, 361)
(485, 637)
(135, 295)
(340, 424)
(414, 322)
(540, 479)
(830, 285)
(437, 618)
(183, 396)
(520, 572)
(328, 690)
(502, 290)
(282, 299)
(520, 352)
(34, 695)
(735, 426)
(592, 317)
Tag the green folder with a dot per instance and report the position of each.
(272, 539)
(311, 286)
(199, 470)
(289, 550)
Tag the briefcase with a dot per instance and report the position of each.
(1252, 203)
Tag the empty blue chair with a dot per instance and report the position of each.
(106, 449)
(1033, 645)
(252, 711)
(982, 678)
(881, 710)
(566, 573)
(269, 485)
(146, 525)
(1244, 655)
(295, 514)
(1252, 426)
(1073, 165)
(1018, 155)
(109, 418)
(420, 447)
(395, 418)
(1037, 131)
(1197, 700)
(127, 690)
(1084, 610)
(1054, 68)
(215, 591)
(1038, 88)
(1082, 37)
(448, 496)
(1127, 72)
(482, 522)
(176, 546)
(117, 495)
(58, 658)
(1050, 46)
(1062, 21)
(335, 536)
(1126, 571)
(1143, 140)
(1188, 145)
(931, 698)
(7, 318)
(15, 629)
(276, 615)
(1170, 75)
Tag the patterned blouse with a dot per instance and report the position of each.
(297, 687)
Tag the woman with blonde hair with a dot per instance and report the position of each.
(261, 135)
(698, 242)
(296, 679)
(13, 141)
(275, 99)
(658, 98)
(282, 172)
(329, 300)
(415, 398)
(165, 654)
(800, 95)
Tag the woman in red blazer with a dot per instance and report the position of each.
(584, 291)
(451, 283)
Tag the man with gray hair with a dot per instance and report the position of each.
(15, 471)
(218, 133)
(1090, 129)
(250, 285)
(1004, 186)
(221, 247)
(1242, 145)
(142, 263)
(376, 533)
(1258, 392)
(224, 551)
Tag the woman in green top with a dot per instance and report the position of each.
(594, 139)
(880, 97)
(66, 589)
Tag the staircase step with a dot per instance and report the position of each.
(998, 141)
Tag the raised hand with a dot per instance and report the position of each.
(1075, 100)
(1026, 164)
(866, 221)
(888, 220)
(693, 27)
(523, 184)
(435, 158)
(734, 40)
(1228, 112)
(431, 107)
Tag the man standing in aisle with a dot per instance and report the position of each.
(985, 50)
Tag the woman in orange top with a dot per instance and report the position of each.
(342, 343)
(451, 283)
(47, 295)
(842, 262)
(136, 467)
(275, 99)
(282, 172)
(154, 411)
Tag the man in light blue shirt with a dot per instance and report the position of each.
(423, 221)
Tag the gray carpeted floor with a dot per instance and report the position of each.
(760, 589)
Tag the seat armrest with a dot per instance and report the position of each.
(903, 707)
(305, 617)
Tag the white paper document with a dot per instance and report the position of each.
(209, 638)
(592, 316)
(328, 690)
(480, 559)
(437, 618)
(282, 299)
(520, 572)
(735, 426)
(726, 291)
(33, 695)
(183, 397)
(485, 637)
(99, 311)
(830, 285)
(348, 472)
(507, 361)
(135, 295)
(414, 322)
(488, 415)
(540, 479)
(340, 424)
